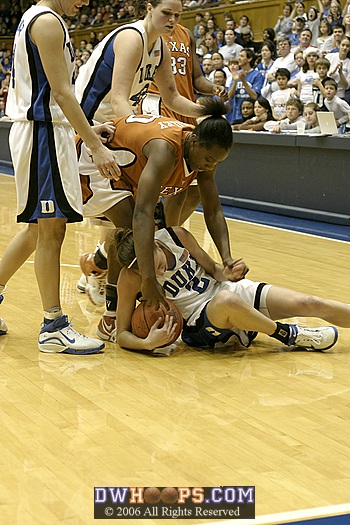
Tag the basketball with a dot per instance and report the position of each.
(152, 495)
(144, 318)
(169, 495)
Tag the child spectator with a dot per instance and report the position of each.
(310, 116)
(263, 113)
(334, 103)
(244, 22)
(247, 111)
(324, 41)
(280, 97)
(295, 109)
(322, 66)
(299, 61)
(307, 75)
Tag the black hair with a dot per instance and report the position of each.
(222, 71)
(283, 72)
(264, 103)
(214, 130)
(249, 54)
(329, 80)
(270, 45)
(271, 32)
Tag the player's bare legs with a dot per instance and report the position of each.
(47, 260)
(283, 303)
(21, 246)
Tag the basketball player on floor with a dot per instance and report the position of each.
(218, 309)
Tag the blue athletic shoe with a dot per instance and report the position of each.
(59, 337)
(320, 338)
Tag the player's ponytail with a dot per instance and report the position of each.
(124, 249)
(214, 130)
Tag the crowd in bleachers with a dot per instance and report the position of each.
(300, 54)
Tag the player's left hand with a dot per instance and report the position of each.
(235, 270)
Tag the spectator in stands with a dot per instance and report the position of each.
(93, 39)
(313, 22)
(247, 111)
(299, 61)
(280, 97)
(231, 49)
(211, 26)
(248, 43)
(295, 110)
(299, 10)
(220, 37)
(262, 114)
(284, 23)
(308, 74)
(326, 6)
(346, 23)
(285, 59)
(243, 22)
(338, 32)
(211, 43)
(298, 26)
(207, 65)
(322, 67)
(218, 62)
(247, 82)
(198, 18)
(310, 116)
(305, 38)
(335, 16)
(267, 53)
(269, 35)
(220, 79)
(83, 21)
(333, 103)
(325, 38)
(201, 31)
(340, 66)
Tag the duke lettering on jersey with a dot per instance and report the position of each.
(185, 278)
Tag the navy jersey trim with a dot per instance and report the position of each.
(89, 109)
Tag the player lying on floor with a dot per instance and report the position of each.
(217, 310)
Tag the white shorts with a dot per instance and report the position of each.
(101, 195)
(202, 333)
(46, 171)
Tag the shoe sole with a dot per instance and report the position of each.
(55, 349)
(81, 288)
(3, 332)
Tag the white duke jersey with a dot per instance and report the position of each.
(186, 284)
(30, 96)
(93, 85)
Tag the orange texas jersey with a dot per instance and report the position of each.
(179, 44)
(133, 133)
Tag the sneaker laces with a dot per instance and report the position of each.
(70, 330)
(100, 281)
(313, 337)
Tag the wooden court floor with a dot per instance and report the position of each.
(267, 417)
